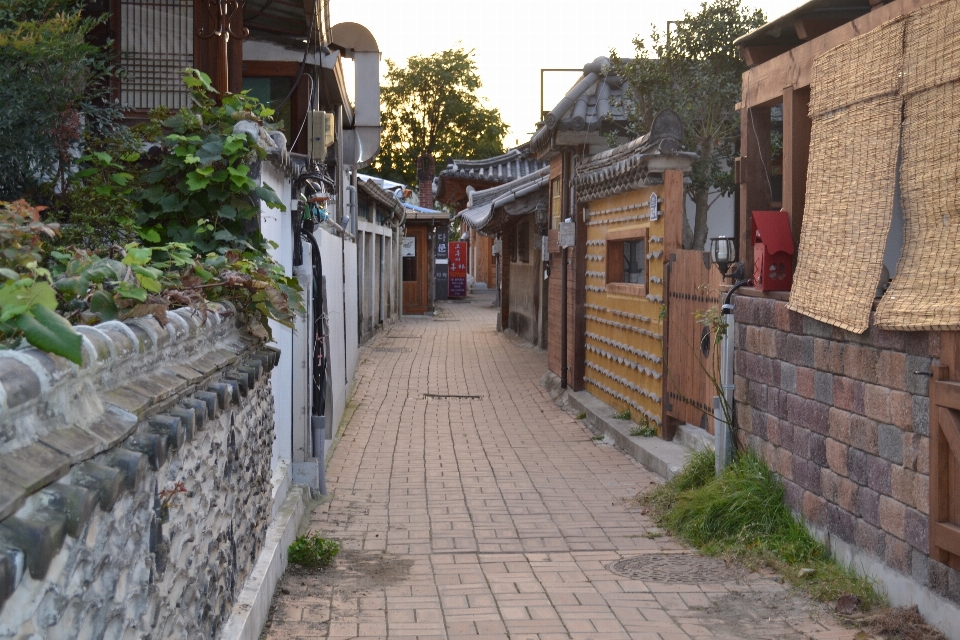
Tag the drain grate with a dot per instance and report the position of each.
(402, 337)
(675, 568)
(446, 319)
(390, 349)
(448, 396)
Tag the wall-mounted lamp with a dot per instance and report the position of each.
(723, 252)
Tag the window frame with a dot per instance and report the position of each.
(522, 243)
(615, 240)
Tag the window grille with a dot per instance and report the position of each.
(156, 45)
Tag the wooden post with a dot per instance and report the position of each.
(796, 152)
(755, 188)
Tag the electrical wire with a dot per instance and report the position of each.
(303, 64)
(766, 171)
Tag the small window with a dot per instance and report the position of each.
(556, 201)
(523, 242)
(410, 269)
(634, 262)
(626, 261)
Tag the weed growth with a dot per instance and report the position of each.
(644, 429)
(581, 415)
(597, 438)
(741, 514)
(312, 551)
(622, 415)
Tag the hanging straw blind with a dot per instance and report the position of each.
(855, 107)
(156, 42)
(925, 294)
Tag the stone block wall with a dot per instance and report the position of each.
(134, 490)
(843, 419)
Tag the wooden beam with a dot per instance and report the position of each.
(796, 153)
(758, 54)
(754, 175)
(765, 83)
(810, 28)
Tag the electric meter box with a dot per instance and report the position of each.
(321, 129)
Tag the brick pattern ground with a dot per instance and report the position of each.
(497, 517)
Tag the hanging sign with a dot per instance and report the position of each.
(409, 247)
(458, 269)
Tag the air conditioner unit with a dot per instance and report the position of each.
(321, 129)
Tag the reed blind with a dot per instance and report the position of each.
(156, 44)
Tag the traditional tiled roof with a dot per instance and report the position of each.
(591, 105)
(634, 164)
(484, 206)
(514, 164)
(386, 198)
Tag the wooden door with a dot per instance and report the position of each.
(945, 454)
(414, 270)
(693, 288)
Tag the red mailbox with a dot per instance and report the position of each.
(772, 251)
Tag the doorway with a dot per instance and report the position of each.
(414, 266)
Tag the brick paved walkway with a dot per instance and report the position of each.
(497, 517)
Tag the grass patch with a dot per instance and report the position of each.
(581, 415)
(598, 438)
(742, 515)
(644, 429)
(622, 415)
(312, 551)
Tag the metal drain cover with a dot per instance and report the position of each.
(450, 396)
(390, 349)
(674, 568)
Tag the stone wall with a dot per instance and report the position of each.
(843, 419)
(134, 490)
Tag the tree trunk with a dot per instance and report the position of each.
(702, 201)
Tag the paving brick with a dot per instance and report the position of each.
(838, 425)
(921, 415)
(917, 530)
(805, 386)
(891, 370)
(898, 554)
(863, 434)
(848, 394)
(870, 539)
(427, 484)
(892, 516)
(876, 403)
(868, 506)
(836, 453)
(828, 356)
(890, 443)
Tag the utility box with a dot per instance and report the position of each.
(321, 129)
(772, 251)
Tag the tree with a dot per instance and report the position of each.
(695, 70)
(431, 107)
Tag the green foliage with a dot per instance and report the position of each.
(201, 191)
(51, 79)
(695, 70)
(431, 107)
(28, 303)
(742, 514)
(644, 429)
(312, 551)
(622, 415)
(581, 415)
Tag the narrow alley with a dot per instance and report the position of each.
(468, 505)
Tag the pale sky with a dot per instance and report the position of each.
(514, 39)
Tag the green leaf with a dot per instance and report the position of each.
(50, 332)
(132, 292)
(224, 235)
(29, 293)
(72, 287)
(105, 158)
(121, 178)
(137, 255)
(150, 235)
(10, 274)
(270, 197)
(234, 144)
(196, 182)
(102, 304)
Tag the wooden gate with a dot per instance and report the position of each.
(945, 455)
(693, 287)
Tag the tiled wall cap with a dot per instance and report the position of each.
(142, 338)
(158, 335)
(35, 538)
(192, 317)
(106, 481)
(76, 503)
(243, 382)
(200, 411)
(212, 400)
(224, 393)
(151, 445)
(25, 358)
(124, 339)
(101, 341)
(88, 352)
(8, 577)
(169, 427)
(188, 418)
(19, 381)
(132, 466)
(177, 328)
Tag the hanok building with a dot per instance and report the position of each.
(848, 377)
(516, 213)
(460, 179)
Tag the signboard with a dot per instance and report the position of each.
(568, 234)
(458, 269)
(654, 211)
(440, 265)
(409, 247)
